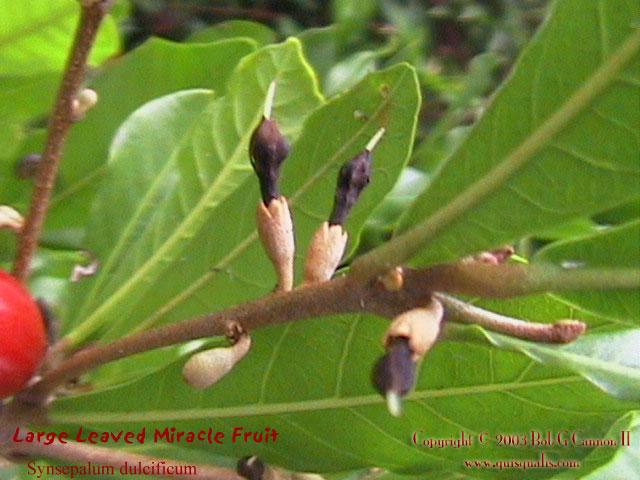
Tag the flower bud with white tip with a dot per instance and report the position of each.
(395, 373)
(251, 468)
(207, 367)
(268, 149)
(409, 337)
(330, 240)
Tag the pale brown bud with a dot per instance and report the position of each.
(82, 103)
(420, 325)
(10, 218)
(275, 229)
(207, 367)
(325, 252)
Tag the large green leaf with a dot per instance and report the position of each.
(614, 248)
(540, 154)
(311, 382)
(156, 68)
(609, 360)
(175, 186)
(36, 36)
(621, 460)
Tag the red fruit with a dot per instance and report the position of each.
(23, 339)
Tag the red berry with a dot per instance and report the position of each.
(22, 336)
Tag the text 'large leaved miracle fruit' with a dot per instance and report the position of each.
(23, 339)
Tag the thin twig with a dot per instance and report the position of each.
(94, 455)
(338, 296)
(59, 126)
(562, 331)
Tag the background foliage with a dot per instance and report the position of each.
(156, 184)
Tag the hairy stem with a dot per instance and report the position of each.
(82, 452)
(59, 127)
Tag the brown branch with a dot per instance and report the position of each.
(336, 296)
(59, 126)
(95, 455)
(339, 296)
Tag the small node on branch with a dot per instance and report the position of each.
(392, 280)
(408, 339)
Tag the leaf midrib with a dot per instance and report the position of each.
(300, 406)
(407, 244)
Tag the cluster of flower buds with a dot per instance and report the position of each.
(268, 149)
(409, 337)
(329, 241)
(205, 368)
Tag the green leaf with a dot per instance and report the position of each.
(607, 462)
(346, 73)
(535, 160)
(311, 382)
(36, 36)
(621, 214)
(221, 270)
(175, 181)
(156, 68)
(258, 32)
(609, 360)
(615, 248)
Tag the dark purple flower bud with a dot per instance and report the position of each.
(251, 468)
(353, 177)
(268, 149)
(395, 373)
(27, 166)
